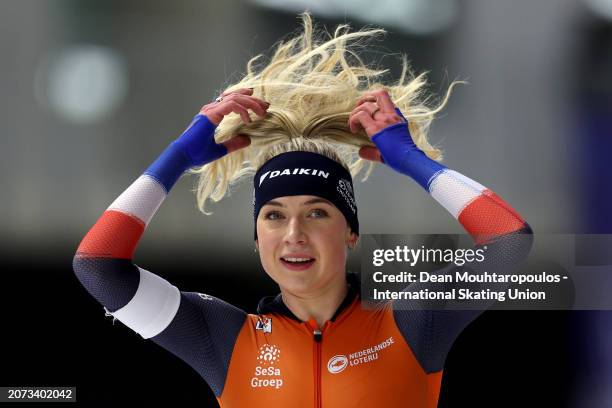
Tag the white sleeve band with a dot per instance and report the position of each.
(454, 191)
(153, 306)
(141, 199)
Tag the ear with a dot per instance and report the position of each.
(257, 244)
(352, 239)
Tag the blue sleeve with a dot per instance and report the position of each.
(399, 152)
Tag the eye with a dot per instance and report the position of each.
(273, 215)
(318, 213)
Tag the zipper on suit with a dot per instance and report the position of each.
(317, 336)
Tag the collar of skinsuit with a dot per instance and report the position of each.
(275, 304)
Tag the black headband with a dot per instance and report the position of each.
(305, 173)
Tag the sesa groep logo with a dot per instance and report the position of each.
(337, 364)
(267, 374)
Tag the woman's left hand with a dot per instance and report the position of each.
(374, 112)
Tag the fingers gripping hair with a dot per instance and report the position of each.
(312, 82)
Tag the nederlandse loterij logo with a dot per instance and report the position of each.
(292, 172)
(264, 323)
(337, 363)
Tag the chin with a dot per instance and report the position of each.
(295, 284)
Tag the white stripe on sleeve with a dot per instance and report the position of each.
(141, 199)
(153, 306)
(454, 191)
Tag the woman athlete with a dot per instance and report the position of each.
(313, 344)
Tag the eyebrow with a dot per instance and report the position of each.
(307, 202)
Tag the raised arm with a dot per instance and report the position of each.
(198, 328)
(484, 215)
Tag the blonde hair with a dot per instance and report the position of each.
(312, 83)
(304, 145)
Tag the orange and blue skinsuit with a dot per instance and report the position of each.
(383, 356)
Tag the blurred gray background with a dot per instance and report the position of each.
(92, 91)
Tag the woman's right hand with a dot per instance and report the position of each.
(198, 141)
(239, 102)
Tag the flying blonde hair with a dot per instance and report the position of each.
(313, 82)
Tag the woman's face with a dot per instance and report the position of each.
(302, 242)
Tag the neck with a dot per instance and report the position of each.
(320, 307)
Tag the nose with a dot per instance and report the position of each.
(295, 233)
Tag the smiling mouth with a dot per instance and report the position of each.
(297, 263)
